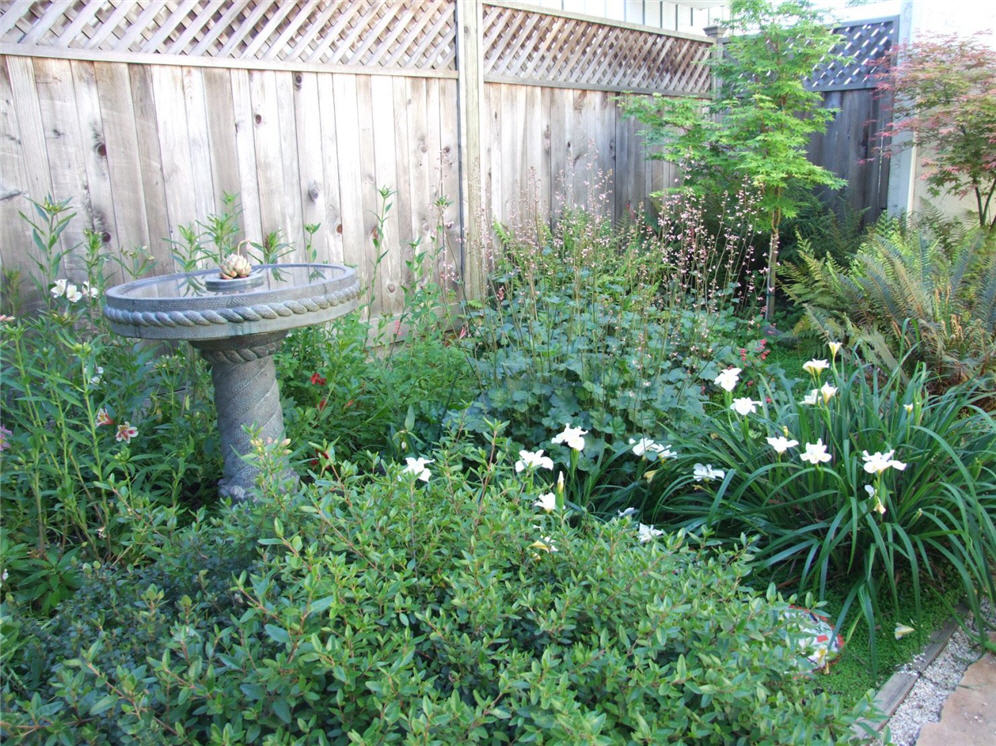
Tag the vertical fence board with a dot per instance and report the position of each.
(150, 162)
(245, 155)
(351, 186)
(449, 165)
(56, 103)
(310, 160)
(329, 236)
(14, 190)
(222, 151)
(94, 153)
(121, 145)
(384, 120)
(174, 143)
(198, 138)
(289, 223)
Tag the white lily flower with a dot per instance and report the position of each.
(727, 380)
(547, 502)
(815, 367)
(744, 406)
(573, 437)
(781, 444)
(651, 450)
(706, 472)
(816, 453)
(812, 398)
(827, 392)
(545, 544)
(876, 463)
(417, 466)
(834, 349)
(533, 460)
(647, 533)
(58, 288)
(627, 513)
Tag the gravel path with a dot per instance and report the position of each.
(924, 702)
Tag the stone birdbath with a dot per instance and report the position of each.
(237, 323)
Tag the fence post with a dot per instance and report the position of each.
(470, 100)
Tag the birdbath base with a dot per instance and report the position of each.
(247, 399)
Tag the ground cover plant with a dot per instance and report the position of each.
(437, 602)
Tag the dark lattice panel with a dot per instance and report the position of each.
(410, 34)
(865, 45)
(540, 47)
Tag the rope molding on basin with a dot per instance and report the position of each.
(259, 312)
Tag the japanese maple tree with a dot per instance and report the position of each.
(945, 99)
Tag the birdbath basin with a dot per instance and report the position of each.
(237, 325)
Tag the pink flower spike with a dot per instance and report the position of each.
(126, 432)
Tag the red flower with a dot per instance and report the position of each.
(322, 404)
(318, 379)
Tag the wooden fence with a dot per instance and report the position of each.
(146, 113)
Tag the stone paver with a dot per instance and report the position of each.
(969, 714)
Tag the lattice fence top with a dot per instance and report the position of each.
(539, 47)
(865, 45)
(408, 34)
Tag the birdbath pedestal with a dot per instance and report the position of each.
(237, 325)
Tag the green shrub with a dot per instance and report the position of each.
(870, 533)
(612, 328)
(386, 608)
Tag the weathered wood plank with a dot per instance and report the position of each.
(93, 153)
(15, 235)
(245, 154)
(329, 236)
(291, 224)
(221, 134)
(351, 185)
(385, 120)
(310, 159)
(57, 104)
(150, 163)
(123, 162)
(174, 143)
(449, 153)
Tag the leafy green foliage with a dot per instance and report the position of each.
(614, 329)
(385, 609)
(945, 104)
(839, 523)
(87, 416)
(905, 291)
(756, 130)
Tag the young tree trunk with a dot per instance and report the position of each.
(769, 290)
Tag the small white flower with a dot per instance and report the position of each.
(651, 450)
(781, 444)
(627, 513)
(87, 290)
(547, 502)
(647, 533)
(533, 460)
(816, 453)
(812, 398)
(834, 348)
(417, 466)
(727, 380)
(815, 367)
(706, 472)
(744, 406)
(97, 376)
(908, 408)
(827, 392)
(573, 437)
(58, 288)
(876, 463)
(902, 630)
(73, 293)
